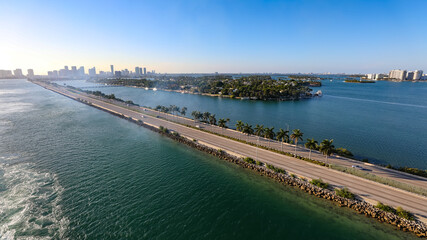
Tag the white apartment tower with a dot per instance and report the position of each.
(397, 74)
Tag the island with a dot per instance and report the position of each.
(254, 87)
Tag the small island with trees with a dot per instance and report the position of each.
(254, 87)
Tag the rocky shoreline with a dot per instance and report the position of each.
(360, 206)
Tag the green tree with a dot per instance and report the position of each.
(183, 111)
(282, 135)
(248, 130)
(311, 144)
(296, 135)
(196, 115)
(269, 134)
(327, 148)
(239, 125)
(259, 130)
(206, 116)
(212, 119)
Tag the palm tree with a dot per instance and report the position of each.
(196, 115)
(327, 148)
(239, 126)
(221, 123)
(183, 111)
(247, 129)
(311, 144)
(296, 135)
(282, 135)
(206, 116)
(212, 119)
(269, 134)
(259, 130)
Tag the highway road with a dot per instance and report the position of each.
(369, 190)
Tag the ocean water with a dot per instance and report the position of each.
(69, 171)
(384, 122)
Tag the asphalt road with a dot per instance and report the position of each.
(370, 190)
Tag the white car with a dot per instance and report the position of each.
(357, 167)
(142, 116)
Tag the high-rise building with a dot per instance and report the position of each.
(145, 71)
(418, 74)
(81, 71)
(409, 75)
(117, 73)
(397, 74)
(5, 73)
(30, 73)
(112, 69)
(18, 72)
(92, 72)
(137, 71)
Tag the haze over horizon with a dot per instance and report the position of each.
(215, 36)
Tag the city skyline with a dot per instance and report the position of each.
(206, 37)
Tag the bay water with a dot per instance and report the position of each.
(69, 171)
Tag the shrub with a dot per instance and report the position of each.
(259, 163)
(176, 134)
(304, 179)
(385, 207)
(365, 160)
(344, 193)
(319, 183)
(293, 175)
(404, 214)
(249, 160)
(163, 129)
(194, 140)
(343, 152)
(278, 170)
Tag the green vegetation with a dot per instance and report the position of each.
(343, 152)
(399, 211)
(344, 192)
(163, 129)
(319, 183)
(259, 163)
(293, 175)
(256, 87)
(326, 148)
(311, 144)
(249, 160)
(276, 169)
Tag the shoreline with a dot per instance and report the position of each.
(359, 206)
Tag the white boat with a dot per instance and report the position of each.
(154, 89)
(146, 88)
(318, 93)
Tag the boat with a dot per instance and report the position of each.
(318, 93)
(146, 88)
(154, 89)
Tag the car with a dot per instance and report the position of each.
(197, 126)
(142, 116)
(357, 167)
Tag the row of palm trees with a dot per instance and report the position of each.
(173, 109)
(283, 136)
(326, 147)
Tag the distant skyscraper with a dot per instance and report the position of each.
(117, 73)
(5, 73)
(418, 74)
(397, 74)
(30, 73)
(137, 71)
(17, 72)
(112, 69)
(92, 72)
(145, 71)
(66, 68)
(81, 71)
(410, 75)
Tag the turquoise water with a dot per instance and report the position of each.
(68, 171)
(384, 122)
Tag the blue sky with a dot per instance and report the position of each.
(209, 36)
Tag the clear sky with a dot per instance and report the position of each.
(215, 36)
